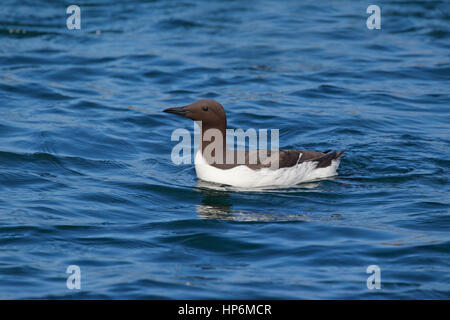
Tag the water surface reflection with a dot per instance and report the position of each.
(217, 204)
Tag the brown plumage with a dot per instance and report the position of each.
(212, 116)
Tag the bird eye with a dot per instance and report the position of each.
(205, 108)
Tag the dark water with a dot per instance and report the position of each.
(86, 177)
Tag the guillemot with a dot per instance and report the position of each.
(247, 168)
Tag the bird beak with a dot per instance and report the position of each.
(181, 111)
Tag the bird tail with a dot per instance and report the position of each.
(326, 160)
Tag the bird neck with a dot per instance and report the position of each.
(213, 143)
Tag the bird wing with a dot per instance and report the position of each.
(287, 158)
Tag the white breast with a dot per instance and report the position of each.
(244, 177)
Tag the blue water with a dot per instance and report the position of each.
(85, 171)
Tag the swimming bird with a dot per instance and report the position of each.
(214, 162)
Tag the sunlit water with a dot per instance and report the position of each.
(86, 177)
